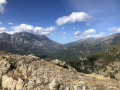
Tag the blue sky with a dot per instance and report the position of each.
(61, 20)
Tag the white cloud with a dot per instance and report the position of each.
(64, 33)
(32, 29)
(118, 29)
(22, 28)
(0, 23)
(10, 23)
(3, 29)
(2, 3)
(114, 29)
(111, 33)
(90, 31)
(74, 17)
(44, 31)
(77, 34)
(102, 34)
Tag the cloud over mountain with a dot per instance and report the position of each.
(28, 28)
(102, 34)
(74, 17)
(91, 33)
(114, 29)
(77, 34)
(3, 29)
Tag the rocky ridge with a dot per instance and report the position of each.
(29, 72)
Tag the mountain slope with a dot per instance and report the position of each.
(29, 72)
(26, 43)
(105, 63)
(83, 48)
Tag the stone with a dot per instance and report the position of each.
(12, 84)
(60, 63)
(5, 66)
(54, 85)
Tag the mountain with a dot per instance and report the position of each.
(26, 43)
(106, 63)
(83, 48)
(29, 72)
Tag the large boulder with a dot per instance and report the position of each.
(12, 84)
(5, 66)
(63, 64)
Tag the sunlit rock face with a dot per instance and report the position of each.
(29, 72)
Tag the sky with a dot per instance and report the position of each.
(63, 21)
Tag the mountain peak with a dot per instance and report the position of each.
(28, 43)
(30, 36)
(4, 36)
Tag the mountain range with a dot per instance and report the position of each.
(83, 48)
(26, 43)
(40, 45)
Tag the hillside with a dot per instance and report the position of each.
(29, 72)
(26, 43)
(106, 63)
(83, 48)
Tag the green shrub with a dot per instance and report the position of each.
(3, 57)
(48, 58)
(116, 71)
(92, 58)
(10, 60)
(112, 76)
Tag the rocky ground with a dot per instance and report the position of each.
(32, 73)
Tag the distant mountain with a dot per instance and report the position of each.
(26, 43)
(83, 48)
(106, 63)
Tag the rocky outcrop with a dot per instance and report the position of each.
(33, 73)
(12, 84)
(4, 67)
(63, 64)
